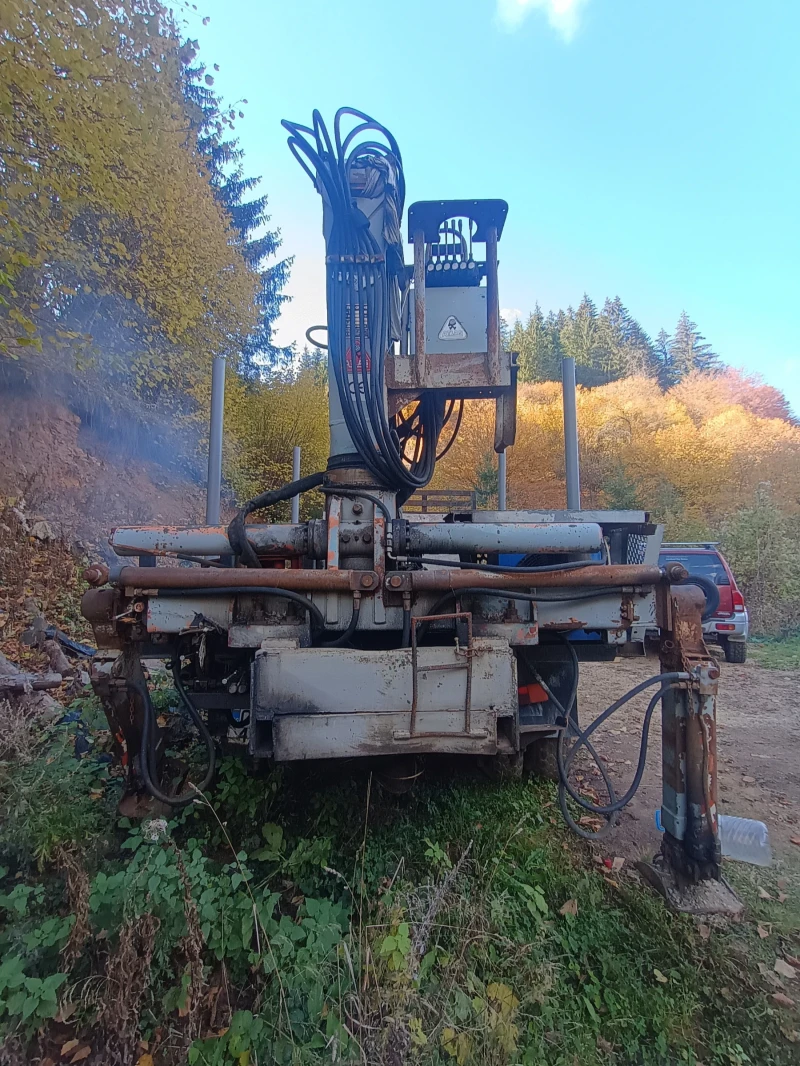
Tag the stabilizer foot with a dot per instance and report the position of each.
(682, 896)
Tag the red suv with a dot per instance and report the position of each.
(729, 626)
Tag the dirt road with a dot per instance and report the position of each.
(758, 714)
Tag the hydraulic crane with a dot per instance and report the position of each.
(366, 633)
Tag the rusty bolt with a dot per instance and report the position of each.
(366, 536)
(713, 672)
(345, 538)
(395, 581)
(367, 581)
(358, 508)
(97, 574)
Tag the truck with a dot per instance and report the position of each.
(376, 633)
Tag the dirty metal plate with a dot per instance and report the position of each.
(252, 636)
(518, 634)
(340, 681)
(345, 735)
(175, 615)
(616, 611)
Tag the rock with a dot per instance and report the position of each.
(42, 530)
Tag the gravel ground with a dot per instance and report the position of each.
(758, 721)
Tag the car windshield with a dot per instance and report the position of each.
(706, 564)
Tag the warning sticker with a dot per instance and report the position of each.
(452, 330)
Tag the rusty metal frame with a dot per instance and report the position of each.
(466, 665)
(689, 757)
(420, 366)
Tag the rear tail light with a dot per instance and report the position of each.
(738, 600)
(531, 694)
(724, 627)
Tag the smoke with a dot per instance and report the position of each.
(87, 454)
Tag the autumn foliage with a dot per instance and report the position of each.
(716, 457)
(114, 247)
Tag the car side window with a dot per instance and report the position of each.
(704, 564)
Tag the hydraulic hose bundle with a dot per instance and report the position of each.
(364, 293)
(566, 758)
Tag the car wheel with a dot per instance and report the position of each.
(735, 651)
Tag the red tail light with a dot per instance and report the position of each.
(738, 600)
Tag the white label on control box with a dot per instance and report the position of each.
(452, 330)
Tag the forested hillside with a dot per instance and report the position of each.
(135, 248)
(714, 457)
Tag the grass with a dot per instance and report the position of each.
(305, 918)
(776, 653)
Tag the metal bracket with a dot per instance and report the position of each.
(466, 653)
(364, 581)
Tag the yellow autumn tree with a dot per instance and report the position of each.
(111, 236)
(689, 462)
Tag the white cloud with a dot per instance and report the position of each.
(510, 314)
(563, 15)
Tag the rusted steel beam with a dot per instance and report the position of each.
(420, 375)
(492, 309)
(584, 577)
(146, 577)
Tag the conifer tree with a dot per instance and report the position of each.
(537, 347)
(689, 350)
(213, 121)
(665, 371)
(625, 347)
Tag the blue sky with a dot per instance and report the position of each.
(647, 148)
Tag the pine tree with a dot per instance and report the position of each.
(625, 347)
(580, 339)
(665, 371)
(689, 351)
(212, 120)
(537, 348)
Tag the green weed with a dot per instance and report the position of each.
(457, 926)
(776, 654)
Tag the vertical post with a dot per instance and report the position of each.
(689, 736)
(501, 481)
(296, 477)
(213, 487)
(492, 308)
(420, 369)
(571, 435)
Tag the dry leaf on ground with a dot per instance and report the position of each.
(785, 970)
(782, 999)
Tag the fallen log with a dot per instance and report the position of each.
(21, 683)
(35, 701)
